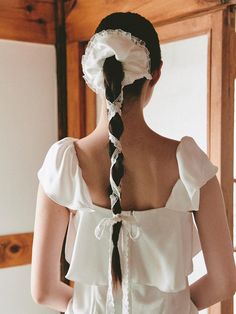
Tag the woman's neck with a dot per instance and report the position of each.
(135, 126)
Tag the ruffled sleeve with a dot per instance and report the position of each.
(59, 174)
(195, 168)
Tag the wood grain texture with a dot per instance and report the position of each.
(85, 17)
(221, 116)
(191, 27)
(61, 68)
(15, 249)
(30, 20)
(26, 20)
(75, 91)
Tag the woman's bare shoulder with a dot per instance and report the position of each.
(165, 144)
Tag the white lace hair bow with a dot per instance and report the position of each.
(128, 49)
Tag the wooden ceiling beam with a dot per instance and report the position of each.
(86, 15)
(27, 20)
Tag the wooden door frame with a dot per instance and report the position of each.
(218, 24)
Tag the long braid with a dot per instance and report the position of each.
(113, 76)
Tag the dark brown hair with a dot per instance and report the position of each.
(113, 72)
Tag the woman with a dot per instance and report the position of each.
(130, 243)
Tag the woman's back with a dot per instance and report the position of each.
(151, 170)
(156, 263)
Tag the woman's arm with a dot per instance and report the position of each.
(51, 221)
(220, 281)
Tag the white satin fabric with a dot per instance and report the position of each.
(156, 246)
(126, 48)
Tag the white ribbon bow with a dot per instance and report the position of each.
(127, 223)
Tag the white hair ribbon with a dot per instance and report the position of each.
(128, 49)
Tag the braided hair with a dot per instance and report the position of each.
(113, 73)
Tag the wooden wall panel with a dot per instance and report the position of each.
(184, 29)
(80, 25)
(61, 68)
(24, 20)
(81, 109)
(15, 249)
(75, 91)
(221, 128)
(30, 20)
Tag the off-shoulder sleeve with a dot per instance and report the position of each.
(195, 168)
(58, 174)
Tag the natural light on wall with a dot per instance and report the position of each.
(28, 126)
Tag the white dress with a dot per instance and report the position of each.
(156, 246)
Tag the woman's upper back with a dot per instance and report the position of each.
(187, 166)
(151, 170)
(62, 180)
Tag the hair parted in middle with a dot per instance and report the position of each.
(113, 73)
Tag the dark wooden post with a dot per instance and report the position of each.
(60, 45)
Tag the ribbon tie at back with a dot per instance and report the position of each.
(127, 223)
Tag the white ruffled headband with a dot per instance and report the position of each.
(128, 49)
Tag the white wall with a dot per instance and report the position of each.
(179, 103)
(28, 126)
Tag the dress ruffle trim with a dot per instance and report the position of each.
(169, 254)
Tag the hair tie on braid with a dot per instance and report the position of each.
(115, 107)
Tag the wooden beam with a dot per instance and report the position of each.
(221, 128)
(15, 249)
(61, 68)
(76, 91)
(69, 6)
(81, 99)
(184, 29)
(61, 97)
(24, 20)
(83, 20)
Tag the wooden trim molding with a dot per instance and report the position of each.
(221, 124)
(32, 21)
(15, 249)
(76, 91)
